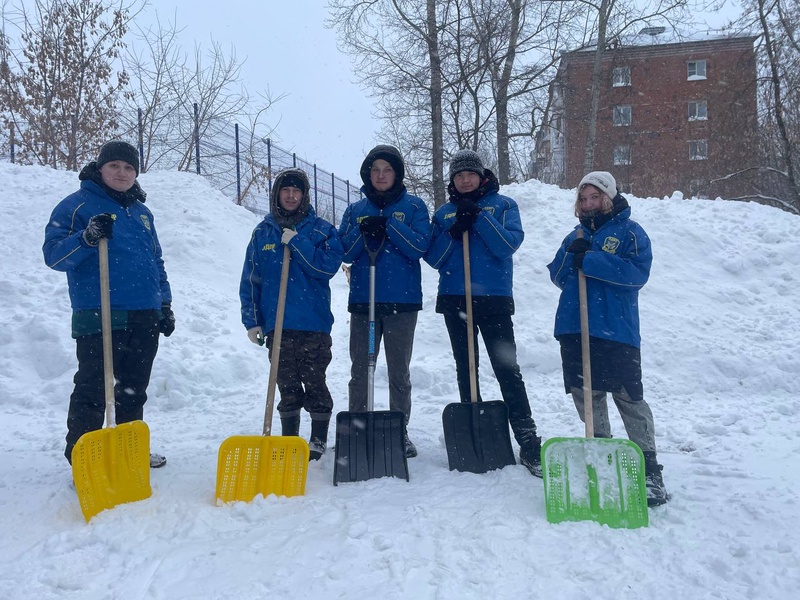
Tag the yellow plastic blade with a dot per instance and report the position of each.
(111, 466)
(257, 464)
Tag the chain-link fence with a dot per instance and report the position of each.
(234, 160)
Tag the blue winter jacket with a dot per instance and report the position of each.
(398, 279)
(136, 270)
(493, 239)
(316, 255)
(616, 268)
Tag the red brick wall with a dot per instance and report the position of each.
(660, 130)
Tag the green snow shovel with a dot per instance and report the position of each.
(593, 479)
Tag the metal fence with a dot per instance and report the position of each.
(233, 159)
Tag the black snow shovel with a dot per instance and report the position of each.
(591, 479)
(370, 444)
(476, 433)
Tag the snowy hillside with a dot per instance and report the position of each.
(721, 353)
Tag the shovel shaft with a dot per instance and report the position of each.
(372, 354)
(473, 377)
(105, 321)
(588, 400)
(276, 341)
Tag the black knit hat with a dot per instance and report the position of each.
(118, 150)
(388, 153)
(292, 179)
(297, 178)
(466, 160)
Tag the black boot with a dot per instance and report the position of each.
(654, 482)
(319, 436)
(290, 424)
(530, 455)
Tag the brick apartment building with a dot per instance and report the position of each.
(672, 116)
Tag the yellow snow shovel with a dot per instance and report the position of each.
(264, 464)
(110, 466)
(593, 479)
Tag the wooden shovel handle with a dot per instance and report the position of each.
(276, 341)
(105, 324)
(473, 376)
(588, 415)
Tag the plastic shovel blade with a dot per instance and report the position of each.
(111, 466)
(369, 445)
(476, 436)
(249, 465)
(594, 479)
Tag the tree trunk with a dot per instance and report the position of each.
(437, 137)
(602, 23)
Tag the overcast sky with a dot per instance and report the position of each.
(325, 117)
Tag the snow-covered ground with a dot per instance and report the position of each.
(721, 352)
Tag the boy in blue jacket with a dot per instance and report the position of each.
(316, 255)
(110, 204)
(396, 223)
(495, 234)
(615, 256)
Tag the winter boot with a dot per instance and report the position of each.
(408, 446)
(654, 482)
(319, 436)
(290, 423)
(530, 455)
(157, 461)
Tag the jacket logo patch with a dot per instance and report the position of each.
(489, 209)
(610, 245)
(400, 216)
(451, 215)
(146, 221)
(268, 247)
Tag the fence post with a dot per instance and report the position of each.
(316, 195)
(141, 141)
(11, 140)
(333, 198)
(347, 181)
(238, 174)
(197, 136)
(269, 164)
(294, 160)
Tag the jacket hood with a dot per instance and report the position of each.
(283, 217)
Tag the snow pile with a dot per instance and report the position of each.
(721, 349)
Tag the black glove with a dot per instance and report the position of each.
(373, 228)
(466, 213)
(456, 230)
(100, 226)
(579, 246)
(167, 323)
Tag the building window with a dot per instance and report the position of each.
(695, 70)
(698, 150)
(622, 155)
(622, 76)
(622, 115)
(698, 110)
(698, 188)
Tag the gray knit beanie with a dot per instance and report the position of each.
(466, 160)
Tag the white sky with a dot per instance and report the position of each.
(326, 118)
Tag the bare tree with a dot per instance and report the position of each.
(60, 88)
(396, 46)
